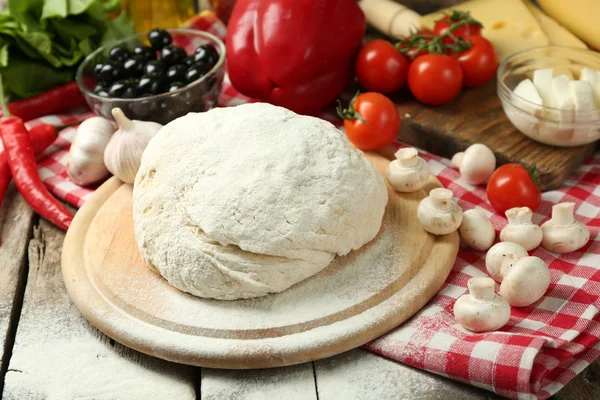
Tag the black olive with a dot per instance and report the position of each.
(100, 87)
(196, 71)
(124, 89)
(172, 55)
(154, 66)
(97, 69)
(112, 71)
(176, 73)
(189, 61)
(151, 84)
(118, 88)
(134, 66)
(175, 86)
(119, 54)
(207, 53)
(159, 38)
(103, 93)
(146, 52)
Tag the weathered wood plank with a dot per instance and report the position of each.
(59, 355)
(17, 219)
(358, 374)
(288, 383)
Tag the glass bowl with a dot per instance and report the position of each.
(200, 95)
(553, 126)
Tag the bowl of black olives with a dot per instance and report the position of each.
(156, 76)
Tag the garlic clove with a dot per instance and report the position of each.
(409, 172)
(438, 213)
(85, 164)
(481, 310)
(563, 233)
(123, 153)
(477, 230)
(520, 229)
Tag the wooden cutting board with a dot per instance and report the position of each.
(356, 299)
(476, 116)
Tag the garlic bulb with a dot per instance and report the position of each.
(123, 154)
(86, 157)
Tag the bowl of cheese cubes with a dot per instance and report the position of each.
(552, 94)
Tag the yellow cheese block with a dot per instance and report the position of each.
(508, 24)
(557, 34)
(579, 16)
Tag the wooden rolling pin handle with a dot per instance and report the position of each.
(390, 18)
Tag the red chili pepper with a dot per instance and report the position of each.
(51, 101)
(41, 137)
(19, 151)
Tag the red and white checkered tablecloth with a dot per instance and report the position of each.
(542, 347)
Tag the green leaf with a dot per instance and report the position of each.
(86, 47)
(27, 12)
(4, 55)
(79, 6)
(112, 5)
(55, 9)
(68, 28)
(25, 78)
(117, 28)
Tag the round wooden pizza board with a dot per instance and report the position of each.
(356, 299)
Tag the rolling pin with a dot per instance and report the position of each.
(390, 18)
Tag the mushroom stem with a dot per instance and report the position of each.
(408, 157)
(482, 288)
(519, 215)
(441, 199)
(562, 214)
(457, 160)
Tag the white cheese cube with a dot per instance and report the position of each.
(542, 80)
(593, 77)
(564, 101)
(583, 95)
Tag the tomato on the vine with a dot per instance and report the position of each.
(381, 68)
(371, 121)
(469, 29)
(510, 186)
(479, 62)
(435, 79)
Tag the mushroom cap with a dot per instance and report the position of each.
(483, 313)
(564, 239)
(408, 179)
(526, 283)
(477, 230)
(477, 164)
(527, 235)
(438, 213)
(502, 256)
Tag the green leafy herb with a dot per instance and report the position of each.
(43, 41)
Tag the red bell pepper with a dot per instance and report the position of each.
(293, 53)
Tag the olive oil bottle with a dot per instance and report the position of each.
(149, 14)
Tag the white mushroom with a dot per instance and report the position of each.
(476, 164)
(563, 233)
(481, 310)
(525, 282)
(438, 213)
(409, 172)
(524, 279)
(520, 229)
(477, 230)
(501, 257)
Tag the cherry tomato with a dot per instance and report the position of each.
(443, 25)
(435, 79)
(381, 68)
(510, 186)
(371, 122)
(479, 62)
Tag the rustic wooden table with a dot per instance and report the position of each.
(49, 351)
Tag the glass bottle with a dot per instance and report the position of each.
(150, 14)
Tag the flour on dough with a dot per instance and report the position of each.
(243, 201)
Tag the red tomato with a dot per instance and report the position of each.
(381, 68)
(435, 79)
(443, 25)
(511, 186)
(479, 62)
(371, 122)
